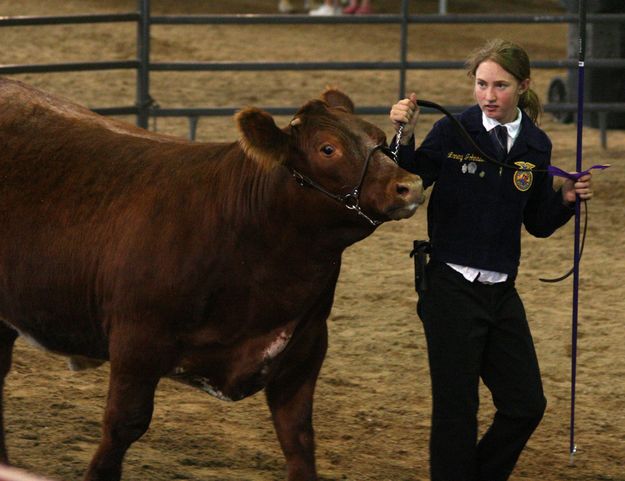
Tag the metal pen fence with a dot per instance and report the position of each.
(144, 107)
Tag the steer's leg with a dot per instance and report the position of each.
(137, 363)
(7, 339)
(290, 399)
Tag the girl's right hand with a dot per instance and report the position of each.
(405, 112)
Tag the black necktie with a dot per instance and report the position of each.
(500, 140)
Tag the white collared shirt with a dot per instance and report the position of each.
(482, 275)
(470, 273)
(513, 127)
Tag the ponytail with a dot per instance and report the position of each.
(531, 104)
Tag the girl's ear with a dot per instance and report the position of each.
(524, 86)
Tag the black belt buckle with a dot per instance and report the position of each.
(419, 253)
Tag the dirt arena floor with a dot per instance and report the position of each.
(372, 410)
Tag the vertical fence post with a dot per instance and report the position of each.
(403, 54)
(442, 7)
(143, 56)
(193, 120)
(603, 129)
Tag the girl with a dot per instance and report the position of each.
(473, 318)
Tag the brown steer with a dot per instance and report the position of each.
(212, 264)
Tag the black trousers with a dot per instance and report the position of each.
(475, 331)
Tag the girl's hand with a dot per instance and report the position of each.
(405, 112)
(582, 187)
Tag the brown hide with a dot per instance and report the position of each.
(207, 263)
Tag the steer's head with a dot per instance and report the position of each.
(338, 158)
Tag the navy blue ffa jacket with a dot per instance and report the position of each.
(476, 208)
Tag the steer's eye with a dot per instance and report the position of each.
(327, 149)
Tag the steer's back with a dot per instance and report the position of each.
(85, 202)
(25, 107)
(51, 146)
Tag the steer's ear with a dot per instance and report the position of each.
(261, 139)
(335, 98)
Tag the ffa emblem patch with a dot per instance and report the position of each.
(523, 178)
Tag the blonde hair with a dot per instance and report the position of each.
(513, 59)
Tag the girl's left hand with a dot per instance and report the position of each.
(581, 187)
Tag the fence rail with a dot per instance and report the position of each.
(256, 19)
(21, 21)
(144, 106)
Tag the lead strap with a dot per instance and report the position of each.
(400, 131)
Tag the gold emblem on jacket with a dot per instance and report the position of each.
(523, 177)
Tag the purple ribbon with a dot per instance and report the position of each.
(553, 170)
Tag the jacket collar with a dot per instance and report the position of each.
(530, 136)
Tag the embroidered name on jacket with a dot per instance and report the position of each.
(523, 178)
(464, 157)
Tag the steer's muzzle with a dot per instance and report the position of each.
(408, 196)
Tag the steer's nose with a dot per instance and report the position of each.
(411, 190)
(408, 196)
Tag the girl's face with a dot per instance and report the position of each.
(497, 91)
